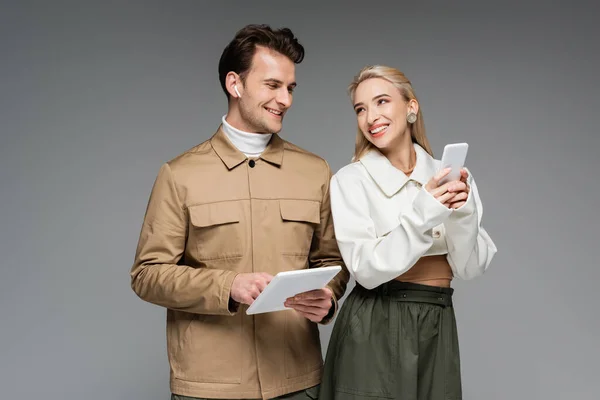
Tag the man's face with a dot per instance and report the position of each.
(267, 91)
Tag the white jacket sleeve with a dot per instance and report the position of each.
(470, 248)
(373, 260)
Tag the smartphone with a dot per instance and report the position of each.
(454, 157)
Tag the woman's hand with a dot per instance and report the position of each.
(451, 194)
(460, 189)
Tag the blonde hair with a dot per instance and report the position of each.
(396, 78)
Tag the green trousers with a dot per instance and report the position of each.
(397, 341)
(307, 394)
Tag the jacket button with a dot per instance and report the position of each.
(436, 234)
(251, 163)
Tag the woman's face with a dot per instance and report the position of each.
(381, 112)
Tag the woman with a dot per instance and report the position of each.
(403, 237)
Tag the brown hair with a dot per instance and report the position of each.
(397, 78)
(237, 56)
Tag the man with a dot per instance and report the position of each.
(227, 215)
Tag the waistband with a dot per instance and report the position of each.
(413, 292)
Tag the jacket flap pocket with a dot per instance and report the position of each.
(204, 215)
(300, 210)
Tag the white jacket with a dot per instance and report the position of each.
(385, 221)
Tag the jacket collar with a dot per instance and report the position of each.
(389, 178)
(232, 157)
(274, 151)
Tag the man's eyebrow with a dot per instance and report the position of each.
(277, 81)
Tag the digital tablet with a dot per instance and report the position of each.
(288, 284)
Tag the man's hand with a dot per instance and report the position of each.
(314, 305)
(246, 287)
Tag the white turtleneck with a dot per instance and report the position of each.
(251, 144)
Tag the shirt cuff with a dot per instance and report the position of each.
(232, 305)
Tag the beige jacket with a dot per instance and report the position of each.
(213, 214)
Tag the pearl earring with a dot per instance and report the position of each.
(411, 117)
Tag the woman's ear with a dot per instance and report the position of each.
(412, 106)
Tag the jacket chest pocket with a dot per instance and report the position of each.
(299, 219)
(216, 230)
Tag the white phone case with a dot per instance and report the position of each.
(454, 157)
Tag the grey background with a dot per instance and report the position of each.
(95, 96)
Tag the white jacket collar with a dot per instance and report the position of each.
(389, 178)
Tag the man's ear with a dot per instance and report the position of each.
(233, 84)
